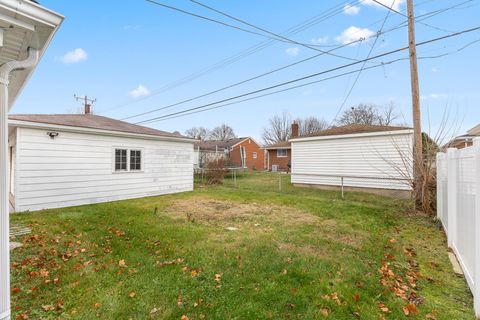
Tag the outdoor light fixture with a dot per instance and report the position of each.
(52, 134)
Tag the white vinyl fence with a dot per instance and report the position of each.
(458, 208)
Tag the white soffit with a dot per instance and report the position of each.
(25, 24)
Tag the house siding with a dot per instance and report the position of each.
(366, 162)
(77, 168)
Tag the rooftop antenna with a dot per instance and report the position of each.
(87, 103)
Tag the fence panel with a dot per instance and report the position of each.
(458, 206)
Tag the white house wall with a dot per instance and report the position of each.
(382, 162)
(77, 168)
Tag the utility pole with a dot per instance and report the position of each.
(417, 128)
(87, 103)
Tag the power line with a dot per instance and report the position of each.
(312, 75)
(286, 89)
(327, 14)
(363, 66)
(383, 64)
(251, 79)
(404, 15)
(267, 31)
(277, 37)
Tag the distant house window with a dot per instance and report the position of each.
(254, 155)
(135, 160)
(120, 159)
(128, 160)
(281, 153)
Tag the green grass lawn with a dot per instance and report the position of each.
(295, 254)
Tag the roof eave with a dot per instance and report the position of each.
(42, 17)
(354, 135)
(47, 126)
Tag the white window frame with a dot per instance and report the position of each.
(129, 149)
(254, 155)
(286, 153)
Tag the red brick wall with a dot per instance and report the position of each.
(282, 162)
(250, 147)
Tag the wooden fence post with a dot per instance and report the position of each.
(476, 244)
(452, 196)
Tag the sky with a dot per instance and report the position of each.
(133, 57)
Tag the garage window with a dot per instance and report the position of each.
(127, 160)
(120, 159)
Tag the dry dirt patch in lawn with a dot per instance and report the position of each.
(231, 213)
(258, 217)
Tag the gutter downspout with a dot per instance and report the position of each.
(5, 70)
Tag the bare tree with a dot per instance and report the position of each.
(310, 125)
(199, 133)
(389, 115)
(279, 129)
(222, 132)
(369, 114)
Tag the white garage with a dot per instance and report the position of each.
(361, 157)
(68, 160)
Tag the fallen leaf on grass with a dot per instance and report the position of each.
(43, 273)
(22, 316)
(132, 294)
(180, 301)
(356, 297)
(382, 307)
(184, 317)
(97, 305)
(325, 312)
(16, 290)
(122, 263)
(410, 309)
(432, 315)
(47, 308)
(218, 277)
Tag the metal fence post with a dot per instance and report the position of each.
(279, 181)
(343, 197)
(452, 196)
(476, 244)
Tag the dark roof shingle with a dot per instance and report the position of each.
(92, 122)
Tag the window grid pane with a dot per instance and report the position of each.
(135, 160)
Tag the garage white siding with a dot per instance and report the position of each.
(379, 160)
(78, 168)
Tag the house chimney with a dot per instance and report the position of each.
(87, 109)
(294, 130)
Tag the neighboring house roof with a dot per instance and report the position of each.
(279, 145)
(92, 122)
(475, 131)
(353, 129)
(213, 145)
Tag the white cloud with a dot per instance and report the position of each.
(434, 96)
(74, 56)
(394, 4)
(131, 27)
(139, 92)
(351, 9)
(352, 34)
(320, 40)
(292, 51)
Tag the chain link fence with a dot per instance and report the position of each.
(238, 178)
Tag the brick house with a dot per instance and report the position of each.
(247, 153)
(279, 155)
(238, 152)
